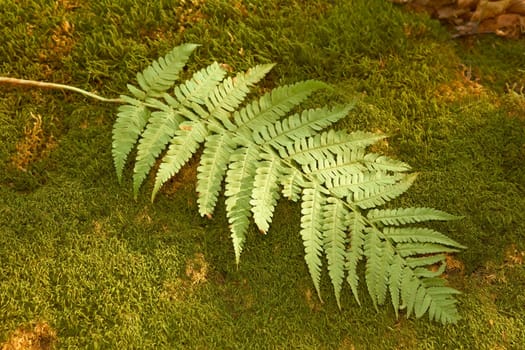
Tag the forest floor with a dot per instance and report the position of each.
(83, 265)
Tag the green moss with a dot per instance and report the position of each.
(106, 271)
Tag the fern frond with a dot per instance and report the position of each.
(131, 120)
(266, 191)
(355, 251)
(162, 73)
(402, 216)
(335, 226)
(227, 96)
(416, 289)
(395, 278)
(411, 249)
(299, 126)
(340, 165)
(260, 152)
(360, 185)
(419, 235)
(409, 286)
(162, 125)
(420, 296)
(379, 256)
(212, 168)
(423, 300)
(442, 302)
(199, 87)
(239, 187)
(429, 271)
(273, 105)
(425, 261)
(374, 161)
(312, 204)
(327, 166)
(383, 194)
(292, 182)
(182, 146)
(160, 129)
(329, 143)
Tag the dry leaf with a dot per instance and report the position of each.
(502, 17)
(489, 9)
(40, 337)
(449, 12)
(185, 127)
(517, 6)
(197, 269)
(467, 3)
(509, 25)
(227, 67)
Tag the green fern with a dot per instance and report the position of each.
(133, 116)
(258, 152)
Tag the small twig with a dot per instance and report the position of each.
(46, 85)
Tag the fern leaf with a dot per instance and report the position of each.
(359, 185)
(239, 186)
(328, 165)
(424, 261)
(273, 105)
(299, 126)
(312, 204)
(395, 276)
(266, 191)
(355, 251)
(442, 306)
(419, 235)
(411, 249)
(200, 86)
(182, 146)
(211, 170)
(191, 96)
(335, 226)
(227, 96)
(361, 139)
(379, 256)
(292, 182)
(379, 196)
(422, 302)
(429, 271)
(163, 124)
(255, 150)
(138, 93)
(402, 216)
(409, 286)
(329, 143)
(325, 169)
(161, 74)
(374, 161)
(131, 120)
(160, 129)
(429, 295)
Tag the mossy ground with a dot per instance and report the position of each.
(94, 269)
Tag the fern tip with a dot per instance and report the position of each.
(153, 195)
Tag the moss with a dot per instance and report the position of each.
(78, 254)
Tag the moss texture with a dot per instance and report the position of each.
(100, 270)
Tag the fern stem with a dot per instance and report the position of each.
(42, 84)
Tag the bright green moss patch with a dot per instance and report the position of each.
(79, 255)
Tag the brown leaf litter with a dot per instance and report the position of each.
(505, 18)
